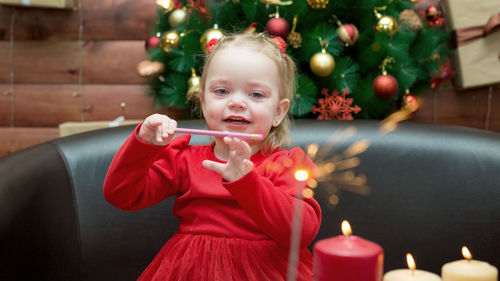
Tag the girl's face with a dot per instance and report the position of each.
(241, 92)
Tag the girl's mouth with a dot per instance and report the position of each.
(236, 120)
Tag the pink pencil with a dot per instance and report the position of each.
(220, 133)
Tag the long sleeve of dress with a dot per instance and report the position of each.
(138, 177)
(270, 200)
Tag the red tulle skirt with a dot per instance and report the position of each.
(203, 257)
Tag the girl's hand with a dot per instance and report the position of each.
(238, 163)
(157, 129)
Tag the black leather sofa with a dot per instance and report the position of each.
(433, 188)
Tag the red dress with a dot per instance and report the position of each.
(227, 230)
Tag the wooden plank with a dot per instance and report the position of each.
(42, 105)
(51, 105)
(15, 139)
(101, 20)
(58, 62)
(493, 113)
(6, 102)
(113, 62)
(475, 108)
(103, 102)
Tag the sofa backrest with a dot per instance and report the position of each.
(431, 189)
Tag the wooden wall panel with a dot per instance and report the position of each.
(51, 105)
(113, 62)
(477, 108)
(101, 20)
(58, 62)
(14, 139)
(5, 105)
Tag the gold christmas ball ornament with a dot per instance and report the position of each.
(209, 34)
(387, 24)
(322, 64)
(177, 17)
(193, 85)
(169, 39)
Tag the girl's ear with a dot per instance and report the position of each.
(281, 111)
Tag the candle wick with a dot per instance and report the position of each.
(413, 272)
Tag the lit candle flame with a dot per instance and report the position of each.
(346, 228)
(301, 175)
(466, 253)
(411, 262)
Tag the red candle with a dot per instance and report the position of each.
(347, 258)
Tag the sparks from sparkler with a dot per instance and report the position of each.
(338, 169)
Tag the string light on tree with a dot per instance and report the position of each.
(385, 86)
(322, 63)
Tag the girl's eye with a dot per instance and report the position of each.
(221, 91)
(257, 95)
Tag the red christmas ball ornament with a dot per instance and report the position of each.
(411, 103)
(385, 86)
(152, 42)
(348, 34)
(278, 27)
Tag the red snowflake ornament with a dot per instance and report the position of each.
(335, 106)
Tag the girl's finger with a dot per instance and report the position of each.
(153, 120)
(248, 164)
(213, 166)
(172, 126)
(158, 134)
(164, 129)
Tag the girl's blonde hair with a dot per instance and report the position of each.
(266, 45)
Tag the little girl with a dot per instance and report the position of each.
(234, 197)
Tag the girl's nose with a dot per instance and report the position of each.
(237, 102)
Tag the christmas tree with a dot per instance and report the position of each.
(379, 54)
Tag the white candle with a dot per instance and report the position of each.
(469, 270)
(411, 274)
